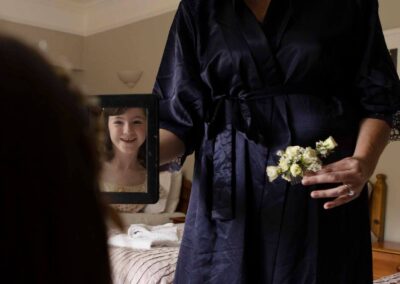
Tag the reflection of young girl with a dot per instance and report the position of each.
(124, 168)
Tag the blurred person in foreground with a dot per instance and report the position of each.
(53, 226)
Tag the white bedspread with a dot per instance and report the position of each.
(139, 266)
(131, 266)
(157, 265)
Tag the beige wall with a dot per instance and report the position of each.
(63, 49)
(389, 12)
(137, 46)
(97, 58)
(140, 45)
(61, 46)
(389, 166)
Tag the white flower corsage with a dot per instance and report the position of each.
(296, 160)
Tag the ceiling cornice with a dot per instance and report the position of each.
(54, 15)
(82, 18)
(107, 15)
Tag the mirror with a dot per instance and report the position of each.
(129, 149)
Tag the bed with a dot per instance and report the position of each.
(173, 194)
(157, 265)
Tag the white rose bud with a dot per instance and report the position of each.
(292, 151)
(309, 153)
(296, 170)
(314, 167)
(283, 164)
(330, 143)
(309, 156)
(272, 173)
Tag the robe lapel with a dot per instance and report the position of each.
(238, 22)
(286, 19)
(257, 44)
(243, 61)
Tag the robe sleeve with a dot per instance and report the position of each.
(379, 83)
(178, 84)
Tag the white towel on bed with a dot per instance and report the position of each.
(167, 232)
(142, 236)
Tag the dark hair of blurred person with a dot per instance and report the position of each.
(53, 226)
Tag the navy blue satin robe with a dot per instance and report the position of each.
(235, 91)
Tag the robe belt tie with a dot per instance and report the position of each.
(239, 104)
(228, 115)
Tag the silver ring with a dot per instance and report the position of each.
(350, 192)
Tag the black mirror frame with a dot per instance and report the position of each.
(150, 102)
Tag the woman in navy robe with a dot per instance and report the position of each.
(235, 88)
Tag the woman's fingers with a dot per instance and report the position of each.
(348, 173)
(342, 194)
(345, 164)
(330, 193)
(341, 200)
(329, 177)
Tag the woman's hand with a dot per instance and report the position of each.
(171, 147)
(350, 173)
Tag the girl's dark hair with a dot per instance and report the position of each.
(53, 225)
(108, 145)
